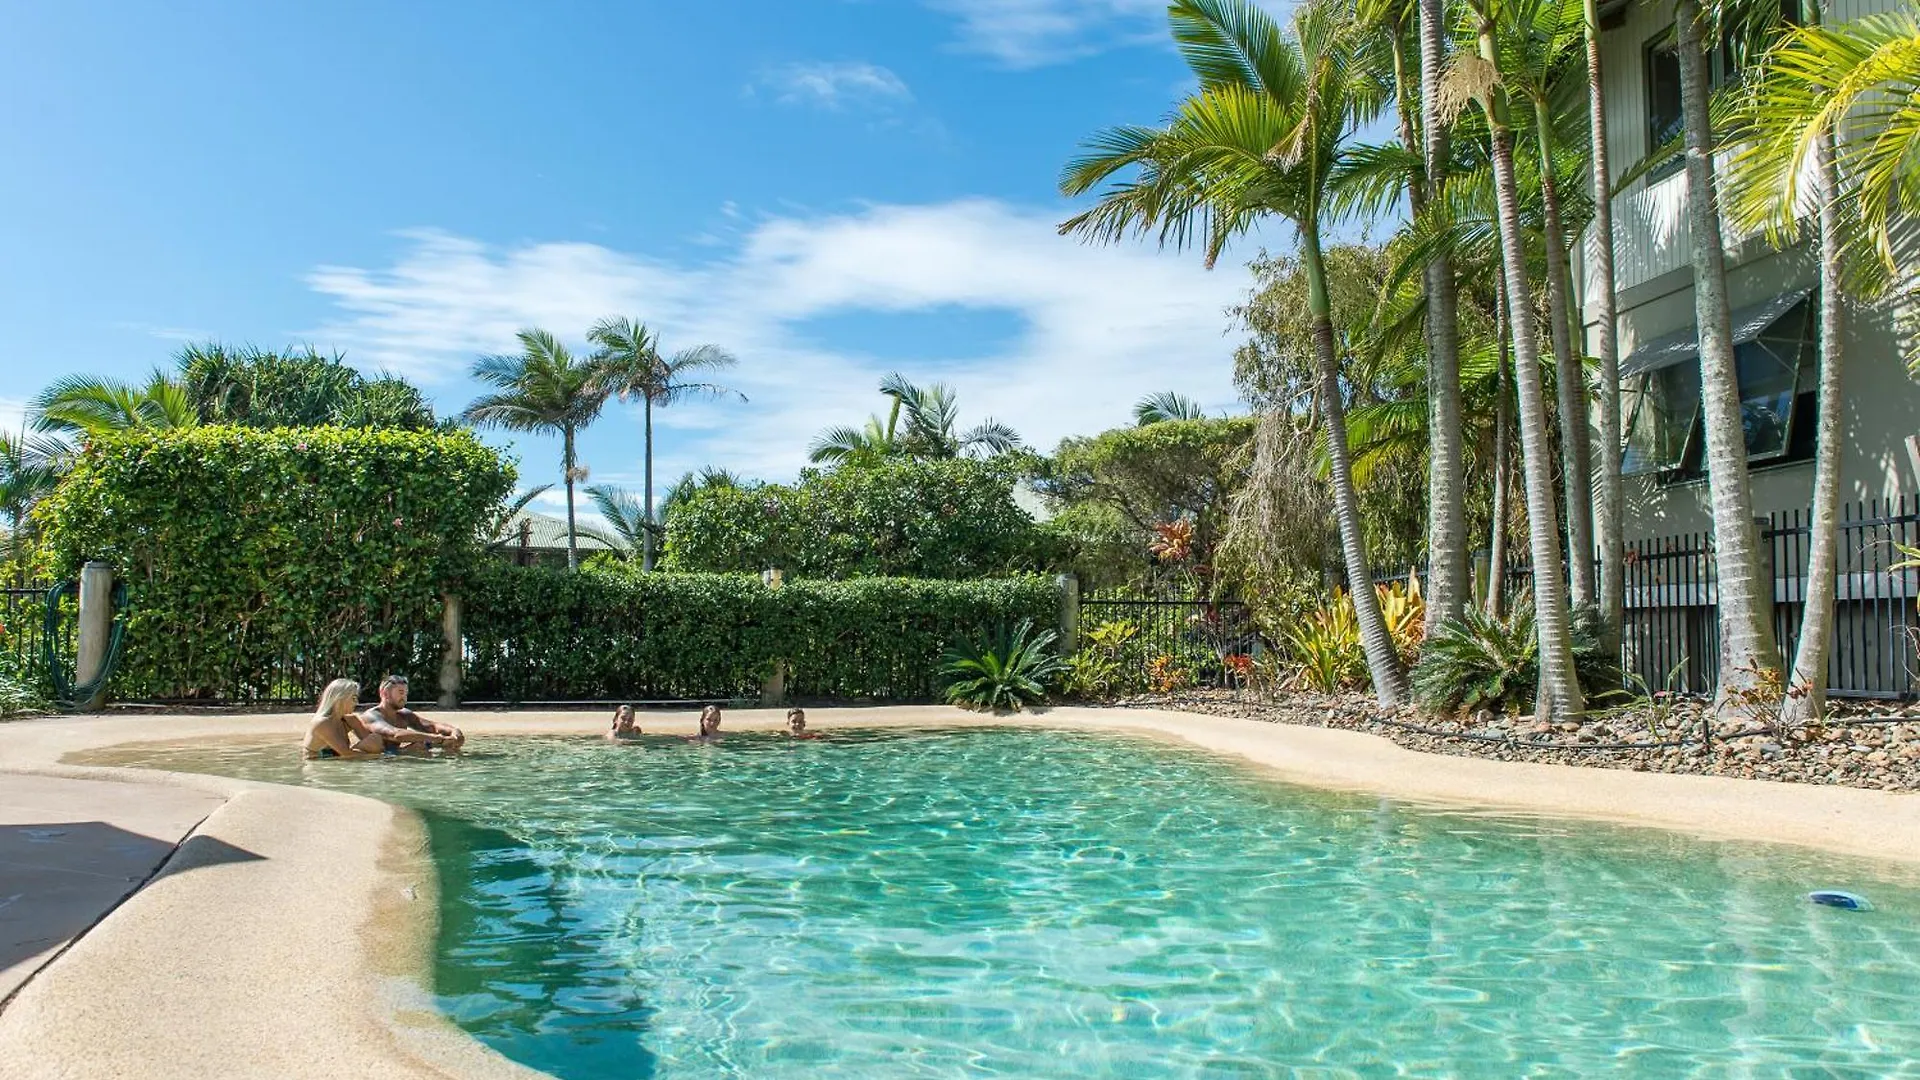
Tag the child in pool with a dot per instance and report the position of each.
(709, 725)
(624, 725)
(797, 725)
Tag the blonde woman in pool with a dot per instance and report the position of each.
(624, 725)
(709, 725)
(336, 725)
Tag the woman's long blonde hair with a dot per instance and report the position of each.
(337, 691)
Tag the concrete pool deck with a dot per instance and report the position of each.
(288, 932)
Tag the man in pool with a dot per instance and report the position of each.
(401, 728)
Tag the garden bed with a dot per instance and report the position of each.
(1866, 745)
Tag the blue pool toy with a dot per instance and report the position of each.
(1839, 899)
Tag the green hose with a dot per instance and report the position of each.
(66, 694)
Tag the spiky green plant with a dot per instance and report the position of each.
(1479, 661)
(1011, 671)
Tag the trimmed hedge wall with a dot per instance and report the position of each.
(264, 563)
(951, 518)
(538, 634)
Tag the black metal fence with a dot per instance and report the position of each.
(1211, 640)
(23, 633)
(1671, 634)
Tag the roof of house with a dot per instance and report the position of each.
(546, 533)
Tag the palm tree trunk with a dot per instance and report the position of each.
(1570, 377)
(566, 463)
(646, 533)
(1748, 656)
(1383, 660)
(1807, 690)
(1502, 453)
(1446, 487)
(1560, 685)
(1609, 506)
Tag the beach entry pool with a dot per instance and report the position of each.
(1029, 903)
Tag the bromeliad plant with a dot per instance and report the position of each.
(1012, 671)
(1108, 662)
(1326, 649)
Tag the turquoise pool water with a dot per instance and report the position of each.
(1046, 904)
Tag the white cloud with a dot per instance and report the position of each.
(13, 416)
(830, 85)
(1099, 327)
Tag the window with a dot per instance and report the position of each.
(1664, 111)
(1775, 357)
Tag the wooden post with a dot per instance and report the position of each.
(773, 692)
(450, 651)
(95, 634)
(1069, 586)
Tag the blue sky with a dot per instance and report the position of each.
(832, 189)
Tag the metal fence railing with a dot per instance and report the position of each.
(1671, 633)
(1199, 636)
(23, 635)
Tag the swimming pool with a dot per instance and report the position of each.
(1043, 903)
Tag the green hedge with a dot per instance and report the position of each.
(263, 563)
(538, 634)
(952, 518)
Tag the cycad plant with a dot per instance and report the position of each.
(1013, 669)
(1480, 661)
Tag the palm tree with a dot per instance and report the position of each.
(1749, 657)
(30, 468)
(1536, 38)
(861, 446)
(1158, 408)
(1609, 505)
(630, 365)
(1478, 78)
(1261, 137)
(922, 422)
(1446, 523)
(626, 515)
(1861, 77)
(545, 390)
(86, 406)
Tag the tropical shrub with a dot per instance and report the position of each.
(1480, 661)
(263, 563)
(535, 633)
(1166, 674)
(1405, 610)
(951, 518)
(1109, 662)
(18, 691)
(1326, 650)
(1010, 671)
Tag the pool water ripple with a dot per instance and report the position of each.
(1019, 903)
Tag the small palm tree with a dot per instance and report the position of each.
(626, 515)
(543, 389)
(30, 468)
(1262, 137)
(85, 405)
(630, 365)
(1166, 405)
(923, 422)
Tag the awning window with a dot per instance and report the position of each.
(1660, 385)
